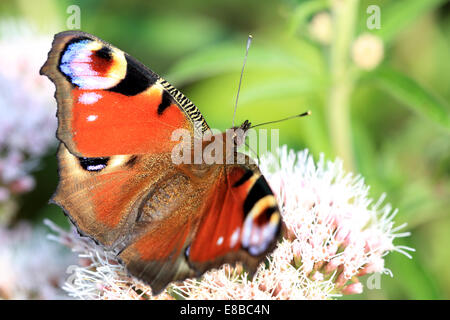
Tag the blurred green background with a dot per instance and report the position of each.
(389, 121)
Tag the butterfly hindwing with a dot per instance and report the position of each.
(240, 220)
(102, 196)
(227, 227)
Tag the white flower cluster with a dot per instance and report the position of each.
(98, 274)
(27, 108)
(330, 219)
(31, 266)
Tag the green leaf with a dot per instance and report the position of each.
(364, 151)
(228, 57)
(413, 95)
(412, 275)
(399, 14)
(289, 86)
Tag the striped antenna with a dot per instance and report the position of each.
(307, 113)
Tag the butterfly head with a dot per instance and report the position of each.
(240, 132)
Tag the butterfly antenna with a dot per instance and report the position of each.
(307, 113)
(249, 41)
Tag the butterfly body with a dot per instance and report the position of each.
(119, 183)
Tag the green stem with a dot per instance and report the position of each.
(344, 21)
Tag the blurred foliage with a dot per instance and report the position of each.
(398, 113)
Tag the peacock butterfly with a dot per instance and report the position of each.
(119, 184)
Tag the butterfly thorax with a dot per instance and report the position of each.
(227, 143)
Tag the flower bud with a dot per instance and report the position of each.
(354, 288)
(320, 27)
(367, 51)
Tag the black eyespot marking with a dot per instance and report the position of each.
(137, 79)
(131, 162)
(259, 190)
(166, 101)
(104, 53)
(247, 175)
(93, 164)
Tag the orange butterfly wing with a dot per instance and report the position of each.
(106, 96)
(228, 227)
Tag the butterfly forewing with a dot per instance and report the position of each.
(105, 96)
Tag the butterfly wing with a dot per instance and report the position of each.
(105, 96)
(103, 196)
(238, 221)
